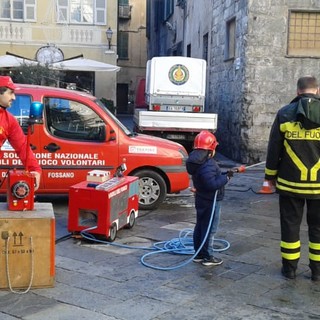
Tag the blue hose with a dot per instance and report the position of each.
(183, 245)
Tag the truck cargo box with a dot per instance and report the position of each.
(175, 76)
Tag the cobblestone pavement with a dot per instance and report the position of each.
(106, 282)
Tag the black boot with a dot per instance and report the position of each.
(315, 270)
(288, 273)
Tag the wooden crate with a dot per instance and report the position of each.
(27, 243)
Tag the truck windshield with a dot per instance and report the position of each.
(114, 118)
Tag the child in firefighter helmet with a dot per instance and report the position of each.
(207, 179)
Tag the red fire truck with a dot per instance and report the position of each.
(103, 208)
(79, 134)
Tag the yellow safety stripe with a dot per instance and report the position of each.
(299, 184)
(291, 256)
(290, 245)
(314, 171)
(271, 172)
(314, 257)
(314, 192)
(303, 169)
(313, 245)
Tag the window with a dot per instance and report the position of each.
(168, 8)
(18, 10)
(230, 51)
(181, 3)
(157, 14)
(304, 34)
(205, 47)
(124, 9)
(82, 11)
(123, 43)
(69, 119)
(148, 18)
(189, 50)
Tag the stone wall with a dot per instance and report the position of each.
(227, 78)
(246, 92)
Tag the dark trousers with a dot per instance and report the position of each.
(204, 210)
(291, 213)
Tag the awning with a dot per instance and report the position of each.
(77, 63)
(83, 64)
(10, 61)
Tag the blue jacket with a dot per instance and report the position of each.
(206, 175)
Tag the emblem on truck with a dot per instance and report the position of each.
(178, 74)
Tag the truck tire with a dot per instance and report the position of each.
(132, 220)
(152, 189)
(113, 232)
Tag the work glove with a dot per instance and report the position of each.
(229, 174)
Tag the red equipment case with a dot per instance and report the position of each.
(103, 208)
(20, 190)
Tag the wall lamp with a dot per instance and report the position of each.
(109, 34)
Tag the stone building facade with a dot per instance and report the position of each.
(255, 51)
(64, 28)
(132, 52)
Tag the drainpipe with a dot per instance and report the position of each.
(184, 7)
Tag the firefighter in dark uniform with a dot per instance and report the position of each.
(293, 166)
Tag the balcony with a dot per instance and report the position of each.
(124, 12)
(26, 33)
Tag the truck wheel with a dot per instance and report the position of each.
(113, 232)
(132, 220)
(152, 189)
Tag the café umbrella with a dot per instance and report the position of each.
(83, 64)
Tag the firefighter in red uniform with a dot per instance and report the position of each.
(10, 129)
(293, 165)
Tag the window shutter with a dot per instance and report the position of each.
(123, 43)
(101, 12)
(18, 9)
(62, 11)
(30, 10)
(5, 10)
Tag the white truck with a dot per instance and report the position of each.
(175, 100)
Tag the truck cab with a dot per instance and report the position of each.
(80, 134)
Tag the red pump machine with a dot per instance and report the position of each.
(20, 191)
(103, 208)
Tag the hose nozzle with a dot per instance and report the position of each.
(240, 169)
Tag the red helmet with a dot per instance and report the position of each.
(205, 140)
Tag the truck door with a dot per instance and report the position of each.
(73, 143)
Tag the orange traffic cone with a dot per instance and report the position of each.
(266, 188)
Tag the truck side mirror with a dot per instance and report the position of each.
(35, 113)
